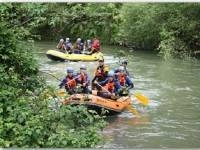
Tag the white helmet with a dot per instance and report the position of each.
(88, 41)
(83, 67)
(79, 39)
(121, 68)
(61, 40)
(111, 73)
(67, 39)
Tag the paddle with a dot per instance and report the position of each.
(103, 87)
(86, 53)
(141, 98)
(129, 107)
(112, 96)
(132, 110)
(62, 92)
(50, 75)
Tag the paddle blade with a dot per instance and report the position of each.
(61, 92)
(143, 99)
(132, 110)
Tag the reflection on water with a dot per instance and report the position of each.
(172, 119)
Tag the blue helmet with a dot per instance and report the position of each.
(70, 70)
(111, 73)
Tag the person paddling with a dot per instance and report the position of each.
(100, 72)
(83, 79)
(124, 63)
(68, 45)
(61, 45)
(87, 45)
(78, 46)
(95, 46)
(109, 87)
(70, 81)
(124, 81)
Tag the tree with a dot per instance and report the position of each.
(25, 117)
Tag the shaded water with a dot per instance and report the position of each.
(172, 119)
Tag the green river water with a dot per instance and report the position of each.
(171, 120)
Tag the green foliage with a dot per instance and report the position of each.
(141, 26)
(86, 20)
(23, 17)
(26, 120)
(55, 20)
(173, 29)
(171, 46)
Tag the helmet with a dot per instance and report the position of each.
(101, 59)
(61, 40)
(67, 39)
(111, 73)
(79, 39)
(83, 67)
(88, 41)
(70, 70)
(121, 68)
(124, 62)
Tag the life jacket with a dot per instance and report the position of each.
(89, 46)
(82, 78)
(80, 46)
(68, 45)
(101, 71)
(122, 79)
(61, 46)
(71, 82)
(96, 45)
(110, 86)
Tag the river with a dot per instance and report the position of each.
(171, 120)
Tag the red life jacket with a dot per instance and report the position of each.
(110, 86)
(96, 45)
(71, 82)
(122, 79)
(82, 78)
(100, 71)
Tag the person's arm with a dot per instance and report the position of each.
(129, 83)
(91, 51)
(117, 87)
(84, 46)
(106, 70)
(58, 46)
(78, 78)
(127, 72)
(87, 80)
(62, 83)
(70, 45)
(102, 83)
(95, 77)
(64, 46)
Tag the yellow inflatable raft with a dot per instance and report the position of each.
(56, 55)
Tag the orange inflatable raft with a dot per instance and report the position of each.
(97, 103)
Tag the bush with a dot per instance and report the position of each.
(26, 119)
